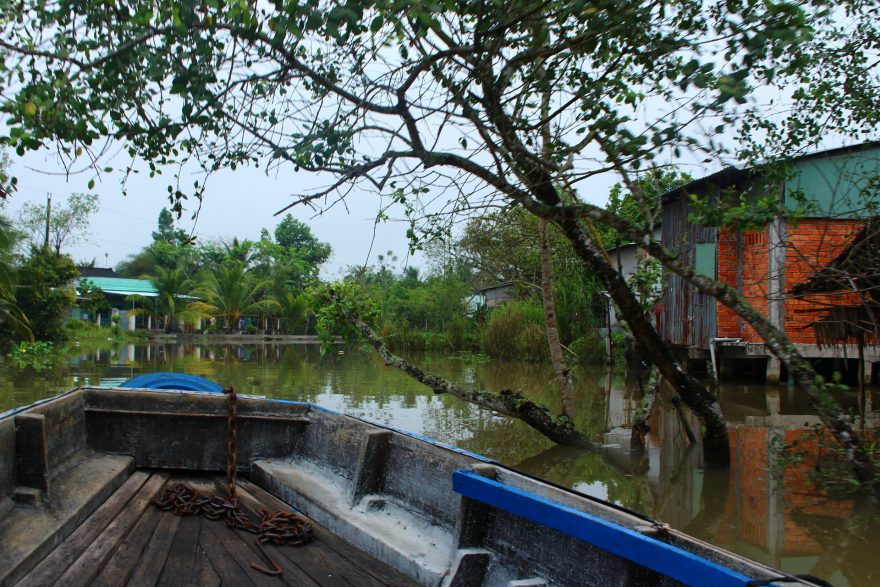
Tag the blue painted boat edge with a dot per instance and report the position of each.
(666, 559)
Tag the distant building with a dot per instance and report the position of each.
(625, 258)
(98, 272)
(492, 296)
(116, 289)
(764, 264)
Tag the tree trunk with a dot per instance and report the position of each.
(560, 429)
(776, 341)
(640, 426)
(544, 201)
(563, 372)
(694, 394)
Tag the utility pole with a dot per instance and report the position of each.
(48, 217)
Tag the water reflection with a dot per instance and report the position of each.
(773, 518)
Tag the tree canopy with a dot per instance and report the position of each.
(68, 221)
(166, 232)
(448, 107)
(46, 292)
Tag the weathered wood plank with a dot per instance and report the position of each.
(185, 561)
(183, 403)
(84, 569)
(181, 560)
(372, 457)
(292, 574)
(58, 561)
(128, 541)
(228, 569)
(32, 457)
(328, 567)
(204, 574)
(378, 570)
(196, 416)
(241, 548)
(116, 571)
(324, 565)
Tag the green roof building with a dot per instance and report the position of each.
(123, 286)
(116, 291)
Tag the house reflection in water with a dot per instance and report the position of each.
(754, 507)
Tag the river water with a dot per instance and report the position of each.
(754, 507)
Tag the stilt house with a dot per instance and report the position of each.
(840, 188)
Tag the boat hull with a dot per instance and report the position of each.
(439, 515)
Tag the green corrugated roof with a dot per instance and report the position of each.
(124, 286)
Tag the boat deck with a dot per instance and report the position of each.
(128, 540)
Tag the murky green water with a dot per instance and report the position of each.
(777, 519)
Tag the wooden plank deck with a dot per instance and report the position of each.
(129, 541)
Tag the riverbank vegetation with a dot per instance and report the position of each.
(259, 287)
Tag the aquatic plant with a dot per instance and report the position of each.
(37, 355)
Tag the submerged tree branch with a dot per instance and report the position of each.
(559, 429)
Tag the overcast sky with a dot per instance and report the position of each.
(238, 203)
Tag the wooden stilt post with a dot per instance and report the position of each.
(862, 395)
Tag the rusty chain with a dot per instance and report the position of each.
(231, 442)
(279, 528)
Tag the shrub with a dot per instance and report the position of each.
(515, 331)
(398, 336)
(460, 335)
(38, 355)
(531, 343)
(45, 293)
(590, 349)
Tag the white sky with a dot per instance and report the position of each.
(238, 203)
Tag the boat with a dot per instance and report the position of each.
(81, 475)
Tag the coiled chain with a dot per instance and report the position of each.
(279, 528)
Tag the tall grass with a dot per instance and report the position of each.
(515, 331)
(576, 315)
(459, 335)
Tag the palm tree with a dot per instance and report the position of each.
(10, 313)
(230, 292)
(172, 302)
(294, 309)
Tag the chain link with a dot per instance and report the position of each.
(279, 528)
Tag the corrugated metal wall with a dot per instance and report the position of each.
(687, 317)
